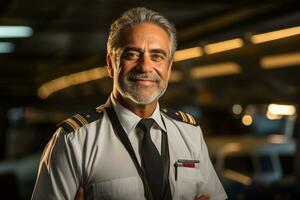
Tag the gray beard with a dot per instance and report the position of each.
(131, 90)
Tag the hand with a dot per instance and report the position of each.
(202, 197)
(80, 194)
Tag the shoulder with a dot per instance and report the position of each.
(180, 116)
(81, 119)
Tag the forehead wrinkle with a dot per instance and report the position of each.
(129, 38)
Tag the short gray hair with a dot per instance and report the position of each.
(137, 16)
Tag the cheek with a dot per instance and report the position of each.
(163, 69)
(126, 66)
(163, 72)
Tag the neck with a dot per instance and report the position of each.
(143, 111)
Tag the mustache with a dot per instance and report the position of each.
(148, 76)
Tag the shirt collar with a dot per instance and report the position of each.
(129, 120)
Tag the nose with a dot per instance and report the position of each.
(145, 63)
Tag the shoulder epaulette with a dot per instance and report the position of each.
(181, 116)
(76, 121)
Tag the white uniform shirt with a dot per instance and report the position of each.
(93, 157)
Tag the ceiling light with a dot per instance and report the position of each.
(185, 54)
(219, 69)
(15, 31)
(6, 47)
(275, 35)
(223, 46)
(279, 61)
(277, 109)
(69, 80)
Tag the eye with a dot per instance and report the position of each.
(157, 57)
(131, 55)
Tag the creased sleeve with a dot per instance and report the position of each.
(59, 173)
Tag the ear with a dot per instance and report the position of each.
(170, 69)
(110, 68)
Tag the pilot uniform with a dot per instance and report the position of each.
(87, 152)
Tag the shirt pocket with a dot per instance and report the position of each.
(117, 189)
(189, 182)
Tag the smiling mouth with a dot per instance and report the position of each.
(143, 81)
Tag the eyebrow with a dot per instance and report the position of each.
(161, 51)
(133, 49)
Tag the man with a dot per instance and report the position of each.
(129, 148)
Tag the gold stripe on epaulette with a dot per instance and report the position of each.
(72, 123)
(177, 113)
(164, 110)
(184, 118)
(194, 120)
(187, 119)
(191, 118)
(81, 119)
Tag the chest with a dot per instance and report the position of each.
(113, 175)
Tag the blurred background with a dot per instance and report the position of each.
(237, 69)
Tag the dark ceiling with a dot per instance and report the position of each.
(70, 36)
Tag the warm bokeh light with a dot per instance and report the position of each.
(175, 76)
(277, 139)
(189, 53)
(185, 54)
(237, 109)
(247, 120)
(70, 80)
(275, 35)
(236, 176)
(277, 109)
(219, 69)
(271, 116)
(279, 61)
(223, 46)
(232, 147)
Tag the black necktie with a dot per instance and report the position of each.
(151, 160)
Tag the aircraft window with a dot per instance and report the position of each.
(265, 163)
(241, 163)
(287, 165)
